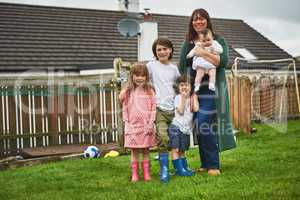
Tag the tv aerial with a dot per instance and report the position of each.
(128, 27)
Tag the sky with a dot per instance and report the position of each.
(279, 21)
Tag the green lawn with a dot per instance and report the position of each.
(265, 165)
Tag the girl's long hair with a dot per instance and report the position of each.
(192, 34)
(139, 69)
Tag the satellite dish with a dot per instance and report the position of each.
(128, 27)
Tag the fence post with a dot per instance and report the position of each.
(121, 76)
(117, 68)
(245, 114)
(53, 103)
(235, 102)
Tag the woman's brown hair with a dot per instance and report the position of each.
(192, 34)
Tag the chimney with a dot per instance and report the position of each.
(131, 6)
(147, 14)
(148, 33)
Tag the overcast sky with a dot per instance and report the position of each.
(279, 21)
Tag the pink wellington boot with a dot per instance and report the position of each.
(146, 170)
(134, 171)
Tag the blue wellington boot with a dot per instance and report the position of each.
(164, 167)
(185, 165)
(180, 171)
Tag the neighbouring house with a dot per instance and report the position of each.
(69, 42)
(72, 39)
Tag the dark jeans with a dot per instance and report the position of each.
(206, 127)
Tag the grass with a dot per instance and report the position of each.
(265, 165)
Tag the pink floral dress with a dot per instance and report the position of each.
(139, 111)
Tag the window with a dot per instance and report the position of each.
(245, 53)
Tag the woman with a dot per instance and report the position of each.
(213, 122)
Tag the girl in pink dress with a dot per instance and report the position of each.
(139, 109)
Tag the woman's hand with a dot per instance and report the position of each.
(210, 57)
(200, 52)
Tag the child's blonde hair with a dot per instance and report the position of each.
(139, 69)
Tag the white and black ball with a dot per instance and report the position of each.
(91, 152)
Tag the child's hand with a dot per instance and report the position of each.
(194, 102)
(199, 45)
(122, 94)
(192, 52)
(194, 97)
(185, 93)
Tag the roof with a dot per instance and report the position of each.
(68, 38)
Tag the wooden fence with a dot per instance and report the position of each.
(42, 115)
(262, 99)
(240, 102)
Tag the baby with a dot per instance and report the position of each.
(201, 65)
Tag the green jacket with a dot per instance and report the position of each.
(225, 132)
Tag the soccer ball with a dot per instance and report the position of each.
(91, 152)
